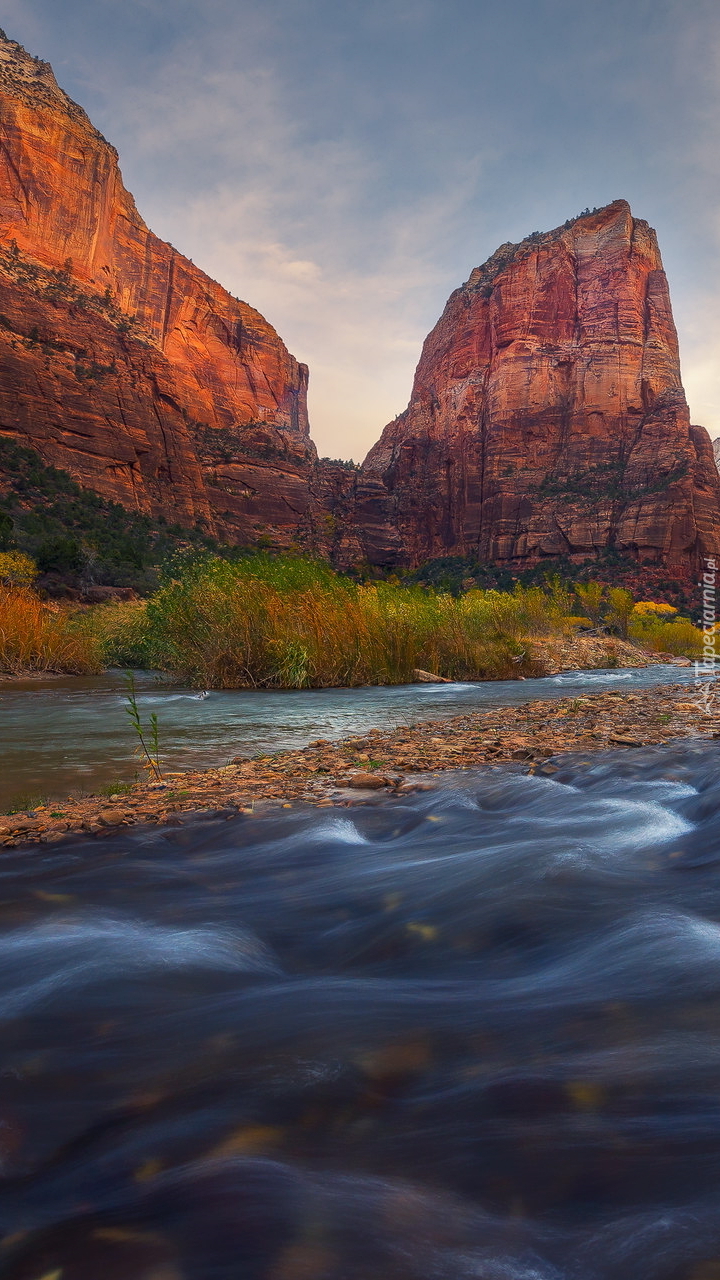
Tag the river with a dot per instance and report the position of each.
(473, 1032)
(72, 734)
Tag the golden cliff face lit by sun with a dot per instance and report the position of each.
(547, 416)
(121, 360)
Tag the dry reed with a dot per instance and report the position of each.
(35, 636)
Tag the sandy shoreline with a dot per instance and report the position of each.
(399, 760)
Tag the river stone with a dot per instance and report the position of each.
(110, 817)
(369, 781)
(17, 823)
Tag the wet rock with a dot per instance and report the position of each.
(368, 781)
(428, 677)
(18, 823)
(111, 817)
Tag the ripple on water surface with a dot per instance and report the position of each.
(473, 1032)
(67, 733)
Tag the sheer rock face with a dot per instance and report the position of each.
(547, 415)
(120, 359)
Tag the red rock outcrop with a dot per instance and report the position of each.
(122, 361)
(547, 415)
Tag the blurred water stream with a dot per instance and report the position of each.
(471, 1033)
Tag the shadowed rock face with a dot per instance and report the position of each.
(547, 415)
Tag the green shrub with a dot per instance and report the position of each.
(621, 607)
(59, 555)
(46, 506)
(591, 595)
(678, 636)
(6, 531)
(17, 569)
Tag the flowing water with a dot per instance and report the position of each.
(472, 1033)
(72, 733)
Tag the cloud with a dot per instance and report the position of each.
(304, 228)
(699, 359)
(357, 326)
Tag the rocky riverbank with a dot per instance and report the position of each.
(394, 762)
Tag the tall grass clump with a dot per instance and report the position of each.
(35, 636)
(282, 622)
(120, 631)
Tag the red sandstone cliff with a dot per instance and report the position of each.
(122, 361)
(547, 415)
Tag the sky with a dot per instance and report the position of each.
(342, 166)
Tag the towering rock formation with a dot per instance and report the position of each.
(548, 417)
(122, 361)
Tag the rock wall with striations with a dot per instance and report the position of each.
(548, 416)
(120, 360)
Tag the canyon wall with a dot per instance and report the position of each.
(121, 361)
(548, 416)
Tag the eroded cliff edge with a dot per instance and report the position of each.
(548, 416)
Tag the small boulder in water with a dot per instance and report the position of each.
(428, 677)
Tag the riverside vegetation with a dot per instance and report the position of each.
(287, 622)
